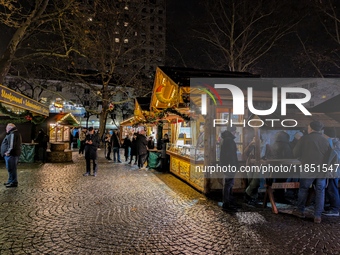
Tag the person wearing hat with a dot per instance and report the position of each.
(332, 192)
(315, 149)
(228, 156)
(92, 143)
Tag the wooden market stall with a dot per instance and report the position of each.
(172, 90)
(58, 126)
(142, 110)
(15, 104)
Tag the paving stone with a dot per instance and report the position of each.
(56, 210)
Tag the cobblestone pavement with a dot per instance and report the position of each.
(55, 210)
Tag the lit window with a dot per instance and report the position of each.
(117, 33)
(136, 33)
(117, 40)
(126, 24)
(89, 19)
(126, 40)
(126, 7)
(324, 96)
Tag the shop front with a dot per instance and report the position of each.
(25, 113)
(196, 143)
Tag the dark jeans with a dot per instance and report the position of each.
(88, 165)
(11, 165)
(228, 190)
(332, 193)
(42, 154)
(82, 147)
(116, 150)
(319, 192)
(141, 160)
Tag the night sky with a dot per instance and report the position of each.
(286, 59)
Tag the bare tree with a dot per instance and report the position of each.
(25, 19)
(99, 47)
(240, 32)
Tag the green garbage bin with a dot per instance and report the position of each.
(27, 153)
(154, 159)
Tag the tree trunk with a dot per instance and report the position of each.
(104, 113)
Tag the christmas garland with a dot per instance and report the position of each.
(20, 118)
(156, 119)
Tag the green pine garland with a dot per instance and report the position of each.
(155, 119)
(23, 117)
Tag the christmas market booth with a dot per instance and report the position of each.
(141, 112)
(26, 114)
(58, 126)
(190, 147)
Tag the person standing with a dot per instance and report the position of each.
(164, 157)
(108, 146)
(126, 146)
(228, 156)
(82, 137)
(312, 149)
(332, 191)
(133, 149)
(71, 138)
(115, 143)
(42, 140)
(92, 143)
(11, 151)
(142, 150)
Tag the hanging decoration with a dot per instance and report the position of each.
(161, 98)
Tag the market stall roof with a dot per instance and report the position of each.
(15, 99)
(302, 120)
(62, 119)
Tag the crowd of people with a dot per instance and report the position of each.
(316, 148)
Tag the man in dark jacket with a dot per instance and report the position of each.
(11, 151)
(228, 156)
(92, 143)
(42, 140)
(312, 149)
(116, 146)
(142, 149)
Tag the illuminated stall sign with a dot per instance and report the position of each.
(13, 98)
